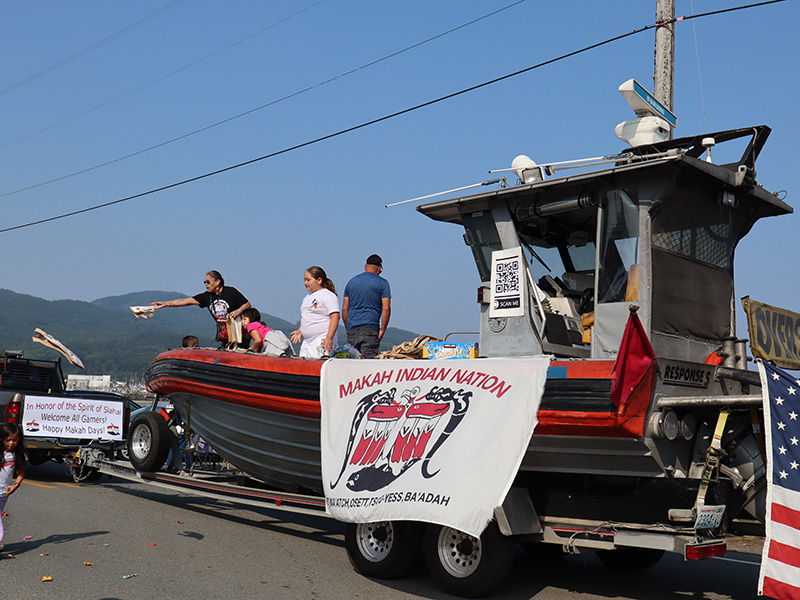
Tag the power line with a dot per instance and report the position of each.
(385, 117)
(162, 78)
(94, 46)
(263, 106)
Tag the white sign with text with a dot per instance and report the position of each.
(55, 416)
(438, 441)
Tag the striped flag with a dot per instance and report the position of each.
(780, 560)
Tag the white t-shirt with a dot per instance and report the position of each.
(315, 312)
(6, 472)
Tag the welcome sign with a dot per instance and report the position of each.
(426, 440)
(52, 416)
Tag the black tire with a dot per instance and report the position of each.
(148, 441)
(466, 566)
(630, 560)
(386, 550)
(36, 459)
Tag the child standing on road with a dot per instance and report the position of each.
(251, 321)
(12, 468)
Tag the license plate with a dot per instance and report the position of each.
(709, 517)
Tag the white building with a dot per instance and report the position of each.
(89, 382)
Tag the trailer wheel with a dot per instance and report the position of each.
(148, 441)
(37, 458)
(464, 565)
(385, 550)
(631, 560)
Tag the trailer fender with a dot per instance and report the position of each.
(517, 515)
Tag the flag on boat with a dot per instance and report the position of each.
(426, 440)
(780, 559)
(633, 360)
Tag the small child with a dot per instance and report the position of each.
(251, 323)
(12, 468)
(190, 341)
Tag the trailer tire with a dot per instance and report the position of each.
(630, 560)
(384, 550)
(148, 441)
(466, 566)
(37, 458)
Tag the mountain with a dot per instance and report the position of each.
(109, 339)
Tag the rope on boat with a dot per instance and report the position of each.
(408, 350)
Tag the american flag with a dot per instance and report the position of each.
(780, 560)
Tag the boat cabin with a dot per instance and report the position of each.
(657, 229)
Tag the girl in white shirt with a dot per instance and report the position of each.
(12, 468)
(319, 315)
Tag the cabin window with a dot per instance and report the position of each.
(542, 261)
(483, 239)
(619, 246)
(694, 238)
(708, 236)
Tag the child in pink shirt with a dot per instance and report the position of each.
(251, 321)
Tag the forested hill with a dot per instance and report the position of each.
(109, 339)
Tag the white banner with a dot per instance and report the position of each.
(426, 440)
(508, 270)
(59, 417)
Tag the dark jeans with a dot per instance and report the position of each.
(364, 339)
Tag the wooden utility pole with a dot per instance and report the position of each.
(664, 74)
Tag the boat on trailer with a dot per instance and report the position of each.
(657, 230)
(653, 230)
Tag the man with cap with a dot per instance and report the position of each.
(366, 308)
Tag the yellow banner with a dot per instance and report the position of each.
(774, 333)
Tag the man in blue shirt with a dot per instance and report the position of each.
(366, 308)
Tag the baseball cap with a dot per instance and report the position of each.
(374, 259)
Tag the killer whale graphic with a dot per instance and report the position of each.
(388, 437)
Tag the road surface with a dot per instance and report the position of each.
(182, 546)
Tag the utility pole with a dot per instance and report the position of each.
(664, 73)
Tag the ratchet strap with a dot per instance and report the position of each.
(712, 459)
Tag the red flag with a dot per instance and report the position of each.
(633, 360)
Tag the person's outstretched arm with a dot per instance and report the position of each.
(179, 302)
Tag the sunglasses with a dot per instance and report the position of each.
(206, 282)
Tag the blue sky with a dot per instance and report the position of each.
(263, 224)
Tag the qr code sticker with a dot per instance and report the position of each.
(507, 277)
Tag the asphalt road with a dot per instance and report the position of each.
(182, 546)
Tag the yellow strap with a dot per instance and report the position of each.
(712, 458)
